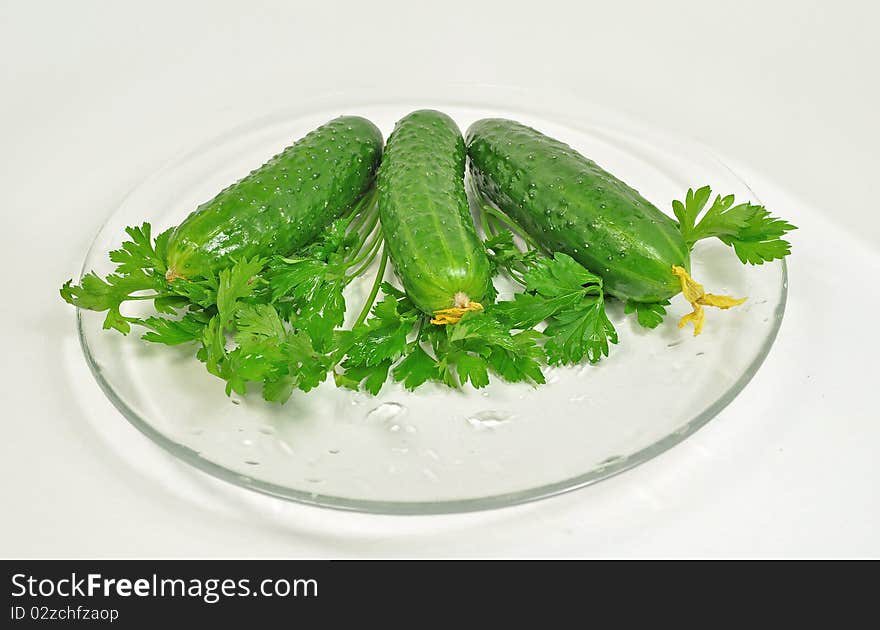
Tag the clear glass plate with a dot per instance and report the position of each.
(438, 450)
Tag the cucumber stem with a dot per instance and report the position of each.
(374, 291)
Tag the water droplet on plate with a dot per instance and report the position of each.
(385, 412)
(489, 419)
(551, 376)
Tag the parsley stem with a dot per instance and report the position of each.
(484, 220)
(512, 226)
(358, 248)
(482, 205)
(496, 226)
(374, 291)
(369, 254)
(487, 211)
(370, 227)
(149, 297)
(363, 209)
(357, 212)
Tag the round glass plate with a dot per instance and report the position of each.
(439, 450)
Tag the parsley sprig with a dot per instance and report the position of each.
(754, 234)
(648, 314)
(557, 290)
(263, 320)
(570, 299)
(398, 340)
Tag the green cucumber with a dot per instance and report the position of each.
(423, 209)
(282, 205)
(569, 204)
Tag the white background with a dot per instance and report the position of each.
(96, 95)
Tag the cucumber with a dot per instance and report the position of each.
(423, 210)
(282, 205)
(569, 204)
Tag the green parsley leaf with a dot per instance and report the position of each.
(648, 314)
(472, 367)
(529, 309)
(140, 252)
(483, 341)
(383, 336)
(268, 352)
(687, 212)
(561, 275)
(522, 364)
(754, 234)
(140, 269)
(417, 368)
(173, 332)
(313, 289)
(578, 333)
(309, 366)
(371, 378)
(199, 291)
(279, 389)
(235, 283)
(213, 350)
(504, 254)
(334, 244)
(759, 240)
(257, 322)
(96, 294)
(570, 299)
(170, 304)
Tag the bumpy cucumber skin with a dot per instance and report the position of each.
(423, 209)
(570, 204)
(284, 204)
